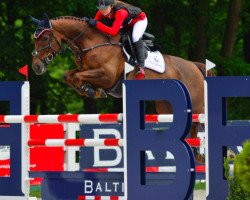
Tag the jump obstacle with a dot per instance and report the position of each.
(130, 175)
(91, 119)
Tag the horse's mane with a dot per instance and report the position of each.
(77, 20)
(69, 18)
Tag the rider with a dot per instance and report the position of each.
(123, 15)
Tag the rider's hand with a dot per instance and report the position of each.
(86, 19)
(92, 22)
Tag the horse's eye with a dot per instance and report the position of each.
(44, 39)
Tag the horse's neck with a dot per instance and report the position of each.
(68, 29)
(71, 28)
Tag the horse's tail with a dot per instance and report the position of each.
(202, 68)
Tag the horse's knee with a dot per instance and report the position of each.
(77, 80)
(77, 77)
(66, 77)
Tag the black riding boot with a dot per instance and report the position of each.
(140, 56)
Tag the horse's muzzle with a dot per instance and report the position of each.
(39, 68)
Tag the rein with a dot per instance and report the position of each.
(110, 43)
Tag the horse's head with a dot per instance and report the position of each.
(47, 45)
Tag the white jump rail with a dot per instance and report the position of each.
(152, 169)
(88, 118)
(93, 142)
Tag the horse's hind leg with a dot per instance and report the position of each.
(194, 130)
(164, 107)
(200, 158)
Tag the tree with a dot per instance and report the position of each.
(246, 30)
(231, 28)
(198, 45)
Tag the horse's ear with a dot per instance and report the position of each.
(47, 23)
(35, 21)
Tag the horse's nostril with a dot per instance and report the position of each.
(37, 69)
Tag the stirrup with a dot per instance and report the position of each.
(139, 72)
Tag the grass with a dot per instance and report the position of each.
(200, 186)
(35, 191)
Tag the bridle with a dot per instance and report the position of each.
(50, 56)
(77, 51)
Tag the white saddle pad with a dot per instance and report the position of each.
(154, 61)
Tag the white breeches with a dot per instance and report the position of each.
(138, 29)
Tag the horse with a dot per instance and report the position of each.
(99, 61)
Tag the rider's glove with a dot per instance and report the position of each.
(86, 19)
(92, 22)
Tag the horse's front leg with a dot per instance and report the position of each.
(68, 78)
(91, 82)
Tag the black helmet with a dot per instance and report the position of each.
(103, 4)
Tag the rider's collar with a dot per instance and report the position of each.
(40, 31)
(110, 15)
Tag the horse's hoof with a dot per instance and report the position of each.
(88, 90)
(100, 93)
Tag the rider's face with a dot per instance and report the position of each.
(106, 11)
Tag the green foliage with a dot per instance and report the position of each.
(1, 74)
(242, 167)
(236, 192)
(239, 187)
(236, 108)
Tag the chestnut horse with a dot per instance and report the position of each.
(100, 61)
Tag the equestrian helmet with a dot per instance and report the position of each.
(103, 4)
